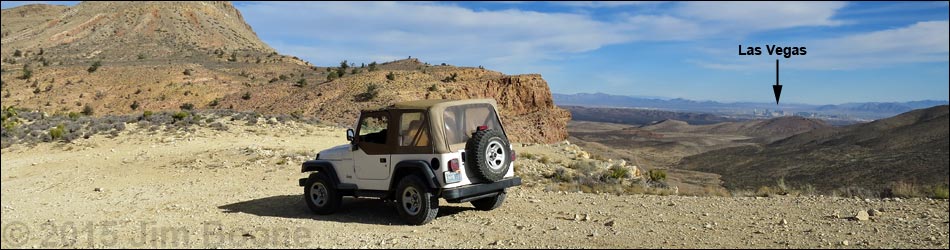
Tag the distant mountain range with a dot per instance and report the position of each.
(865, 110)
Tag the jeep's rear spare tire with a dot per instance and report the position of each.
(488, 155)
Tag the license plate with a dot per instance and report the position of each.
(453, 177)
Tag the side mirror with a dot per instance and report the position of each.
(350, 135)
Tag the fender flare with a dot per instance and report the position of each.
(415, 166)
(321, 166)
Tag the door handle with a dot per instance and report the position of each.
(382, 160)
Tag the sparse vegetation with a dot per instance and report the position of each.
(87, 110)
(57, 132)
(301, 83)
(214, 103)
(657, 175)
(433, 87)
(187, 106)
(27, 73)
(181, 115)
(332, 76)
(95, 66)
(451, 78)
(372, 91)
(141, 56)
(246, 96)
(390, 76)
(134, 106)
(372, 66)
(187, 72)
(17, 53)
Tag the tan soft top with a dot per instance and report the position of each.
(435, 108)
(439, 104)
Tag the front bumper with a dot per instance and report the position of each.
(463, 192)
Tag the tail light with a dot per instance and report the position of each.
(482, 127)
(513, 155)
(454, 165)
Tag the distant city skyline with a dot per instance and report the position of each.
(856, 51)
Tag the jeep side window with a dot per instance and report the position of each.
(373, 128)
(413, 131)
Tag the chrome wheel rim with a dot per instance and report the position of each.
(411, 201)
(495, 155)
(318, 194)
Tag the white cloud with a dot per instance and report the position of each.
(430, 31)
(758, 16)
(922, 42)
(606, 4)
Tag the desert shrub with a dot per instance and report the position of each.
(560, 174)
(283, 77)
(27, 73)
(141, 56)
(181, 115)
(134, 106)
(545, 160)
(88, 111)
(354, 71)
(372, 66)
(451, 78)
(584, 167)
(372, 91)
(57, 132)
(332, 76)
(246, 96)
(390, 76)
(146, 114)
(187, 72)
(903, 190)
(301, 83)
(95, 66)
(764, 191)
(657, 175)
(939, 192)
(433, 88)
(187, 106)
(617, 172)
(528, 156)
(781, 188)
(214, 103)
(17, 53)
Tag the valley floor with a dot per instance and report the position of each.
(238, 188)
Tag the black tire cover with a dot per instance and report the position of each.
(477, 157)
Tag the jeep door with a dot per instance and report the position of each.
(374, 145)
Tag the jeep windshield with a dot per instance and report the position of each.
(462, 120)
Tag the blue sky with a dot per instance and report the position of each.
(857, 51)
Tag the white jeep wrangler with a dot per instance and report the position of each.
(413, 153)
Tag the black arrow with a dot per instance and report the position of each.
(777, 88)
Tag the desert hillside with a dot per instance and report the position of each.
(129, 57)
(910, 148)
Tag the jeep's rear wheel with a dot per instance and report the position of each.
(489, 155)
(490, 203)
(415, 203)
(320, 195)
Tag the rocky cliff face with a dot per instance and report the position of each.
(166, 55)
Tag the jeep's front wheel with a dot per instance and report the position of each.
(415, 203)
(320, 195)
(489, 203)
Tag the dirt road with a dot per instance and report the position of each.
(237, 188)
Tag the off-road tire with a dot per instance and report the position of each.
(490, 203)
(488, 155)
(416, 204)
(326, 200)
